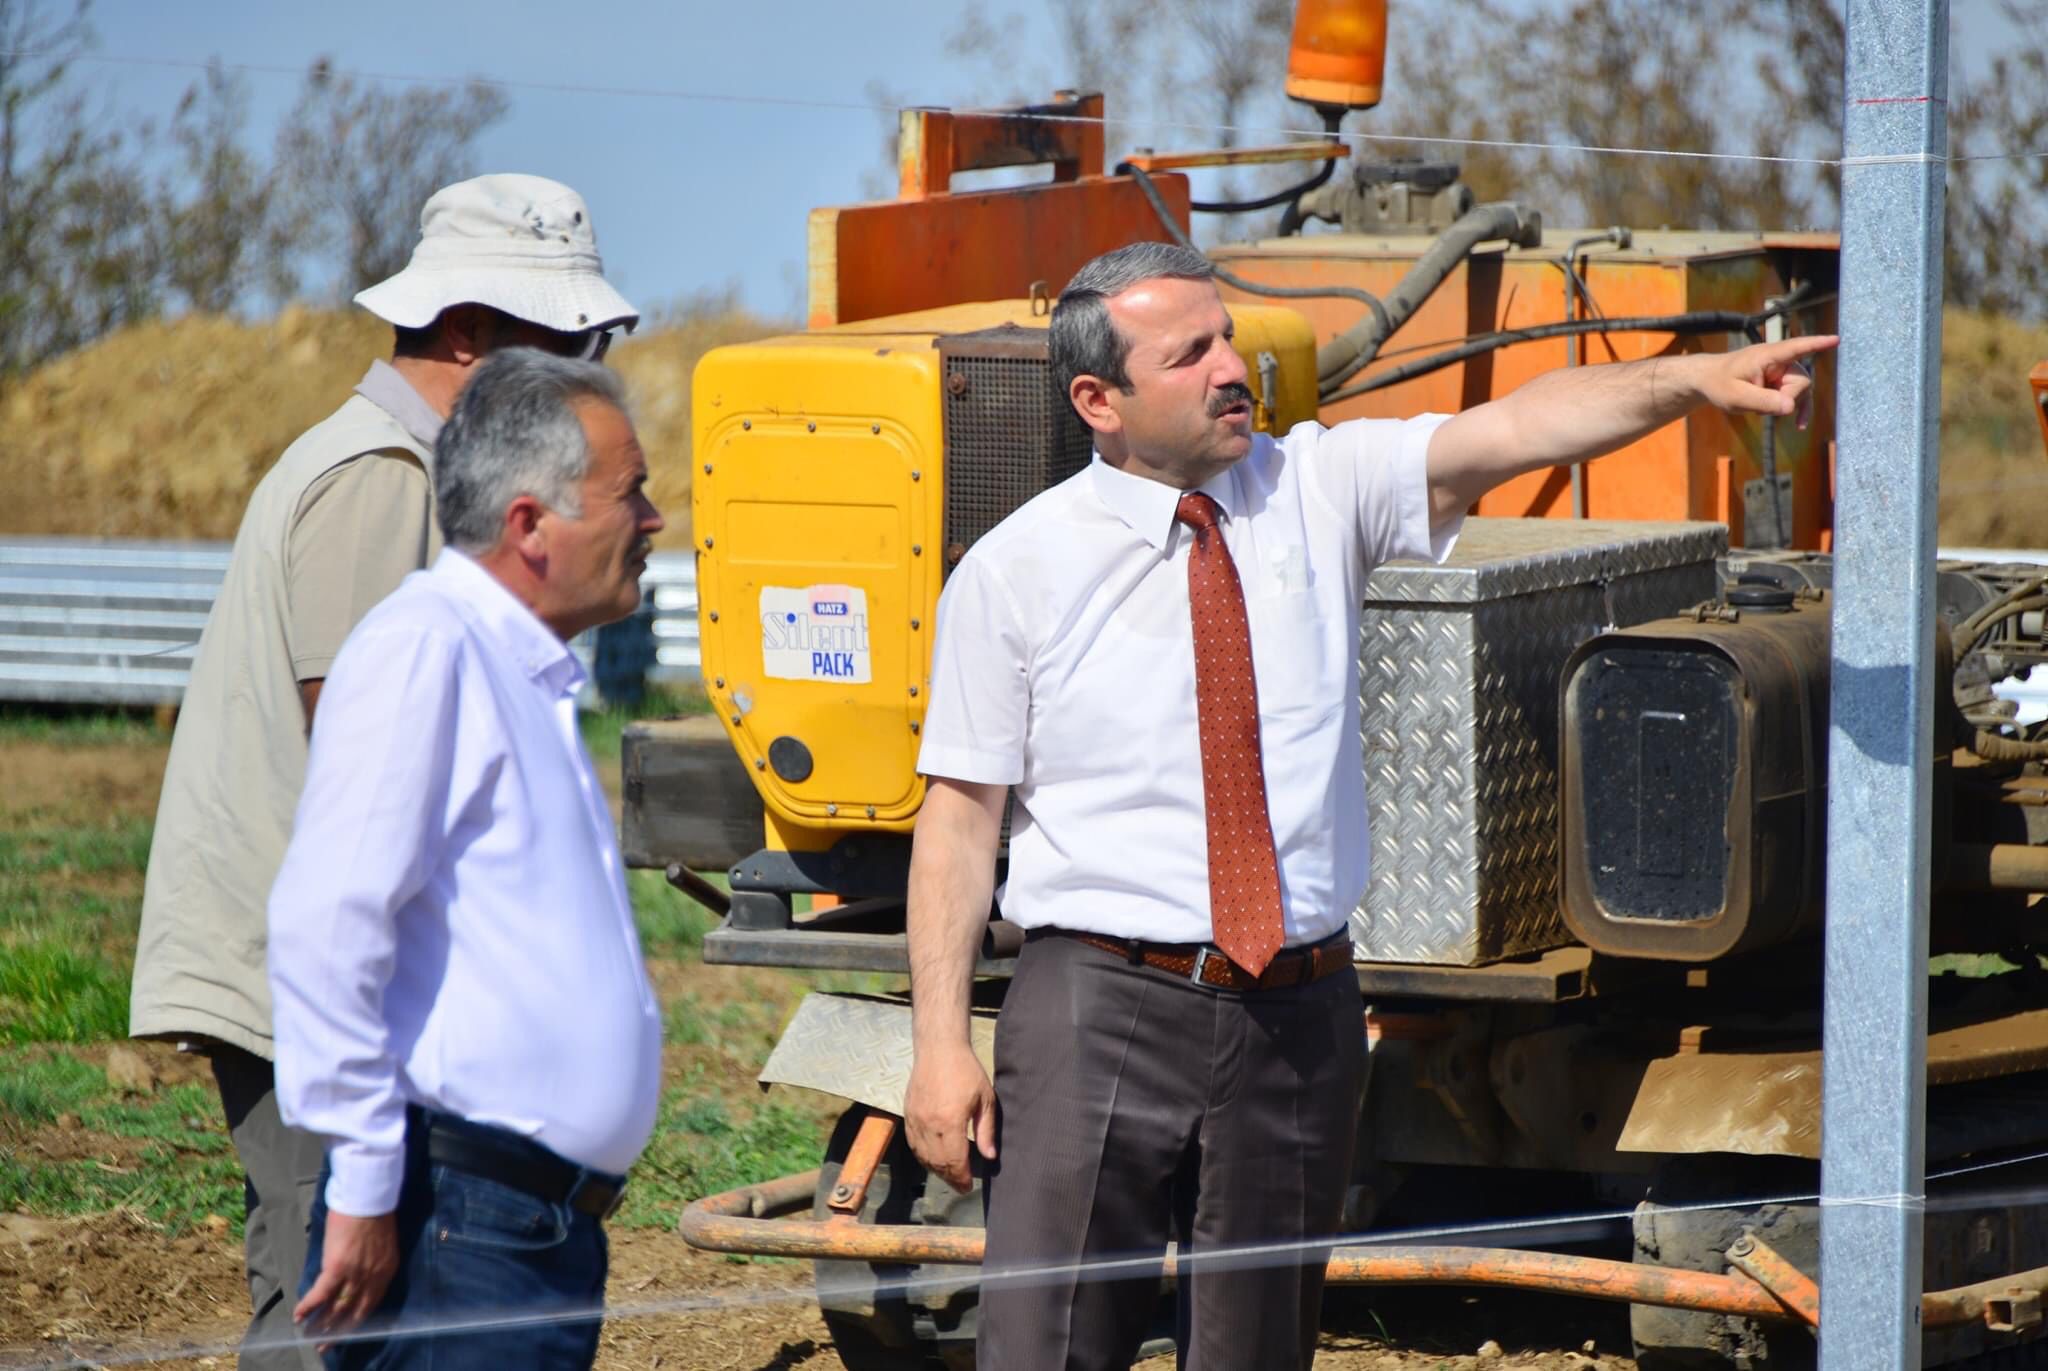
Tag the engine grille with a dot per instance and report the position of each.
(1010, 432)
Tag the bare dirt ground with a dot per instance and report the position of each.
(111, 1287)
(53, 782)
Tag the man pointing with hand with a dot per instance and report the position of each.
(1158, 659)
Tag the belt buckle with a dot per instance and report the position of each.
(1202, 954)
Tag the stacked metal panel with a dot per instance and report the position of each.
(116, 621)
(87, 621)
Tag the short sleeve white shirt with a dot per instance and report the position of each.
(1064, 668)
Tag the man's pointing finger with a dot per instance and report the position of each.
(1793, 349)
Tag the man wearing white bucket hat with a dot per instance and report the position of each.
(345, 515)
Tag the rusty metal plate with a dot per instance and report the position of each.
(1768, 1103)
(1763, 1104)
(857, 1047)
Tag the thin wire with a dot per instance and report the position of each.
(874, 107)
(800, 102)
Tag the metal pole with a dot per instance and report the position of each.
(1895, 141)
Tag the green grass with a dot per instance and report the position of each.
(69, 904)
(79, 727)
(703, 1145)
(183, 1170)
(671, 923)
(601, 727)
(87, 849)
(50, 992)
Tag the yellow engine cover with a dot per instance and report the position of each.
(818, 506)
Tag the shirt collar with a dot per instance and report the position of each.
(511, 625)
(384, 387)
(1148, 506)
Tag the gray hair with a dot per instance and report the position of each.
(514, 431)
(1084, 341)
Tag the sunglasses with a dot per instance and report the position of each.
(588, 346)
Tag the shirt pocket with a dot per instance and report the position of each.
(1301, 681)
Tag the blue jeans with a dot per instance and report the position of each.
(472, 1249)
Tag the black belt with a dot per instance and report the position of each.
(496, 1154)
(1206, 964)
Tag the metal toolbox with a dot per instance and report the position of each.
(1459, 670)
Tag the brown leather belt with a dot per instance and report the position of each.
(1205, 964)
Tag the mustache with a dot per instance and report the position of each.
(1236, 393)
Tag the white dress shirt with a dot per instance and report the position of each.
(1065, 668)
(450, 927)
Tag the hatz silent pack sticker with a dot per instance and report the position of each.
(815, 633)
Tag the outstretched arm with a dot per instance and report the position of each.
(1577, 413)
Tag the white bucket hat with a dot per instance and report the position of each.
(520, 244)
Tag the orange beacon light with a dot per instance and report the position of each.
(1338, 55)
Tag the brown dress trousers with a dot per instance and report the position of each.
(1138, 1107)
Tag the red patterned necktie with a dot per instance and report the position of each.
(1244, 870)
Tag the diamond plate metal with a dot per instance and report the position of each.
(1496, 558)
(857, 1047)
(1458, 684)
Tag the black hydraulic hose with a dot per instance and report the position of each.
(1788, 305)
(1700, 321)
(1231, 278)
(1332, 117)
(1278, 197)
(1351, 351)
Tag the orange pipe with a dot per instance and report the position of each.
(1765, 1265)
(877, 1131)
(1554, 1273)
(739, 1221)
(715, 1224)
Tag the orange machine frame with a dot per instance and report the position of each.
(933, 246)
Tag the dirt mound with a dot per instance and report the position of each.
(161, 430)
(1992, 462)
(657, 367)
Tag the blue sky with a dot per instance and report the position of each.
(688, 195)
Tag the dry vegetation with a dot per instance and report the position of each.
(1992, 459)
(162, 429)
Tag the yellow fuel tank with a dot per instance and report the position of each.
(841, 473)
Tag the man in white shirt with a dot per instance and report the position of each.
(462, 1014)
(347, 512)
(1158, 659)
